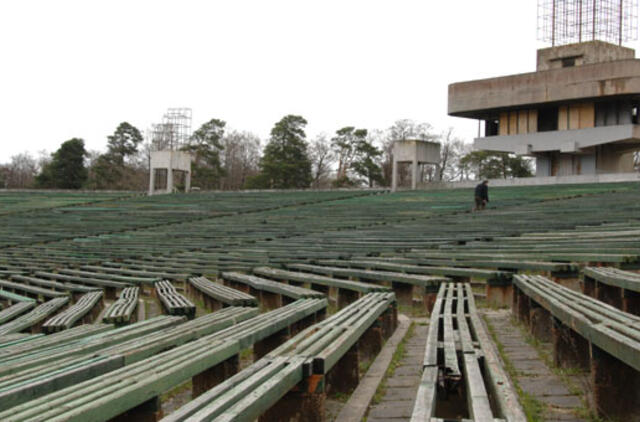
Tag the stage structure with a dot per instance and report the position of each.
(578, 114)
(417, 153)
(169, 164)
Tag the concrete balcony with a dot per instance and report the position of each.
(566, 141)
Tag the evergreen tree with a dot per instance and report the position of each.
(66, 169)
(205, 146)
(123, 143)
(285, 163)
(366, 162)
(497, 165)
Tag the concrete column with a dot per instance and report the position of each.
(149, 411)
(152, 180)
(346, 297)
(264, 346)
(570, 349)
(211, 377)
(616, 387)
(345, 375)
(540, 322)
(169, 180)
(414, 174)
(394, 176)
(305, 402)
(404, 292)
(187, 181)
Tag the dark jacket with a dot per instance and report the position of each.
(482, 192)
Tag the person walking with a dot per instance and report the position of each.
(482, 195)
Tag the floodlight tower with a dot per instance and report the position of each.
(167, 157)
(578, 114)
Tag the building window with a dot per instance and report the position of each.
(569, 62)
(548, 119)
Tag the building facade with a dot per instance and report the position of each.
(577, 114)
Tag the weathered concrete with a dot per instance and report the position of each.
(397, 403)
(533, 375)
(355, 409)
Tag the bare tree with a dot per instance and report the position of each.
(322, 158)
(21, 171)
(452, 149)
(240, 159)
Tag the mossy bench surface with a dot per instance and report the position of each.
(613, 277)
(459, 351)
(259, 283)
(222, 293)
(303, 277)
(614, 331)
(389, 276)
(35, 316)
(315, 350)
(71, 315)
(121, 311)
(110, 394)
(172, 301)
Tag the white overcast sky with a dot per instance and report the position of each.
(78, 68)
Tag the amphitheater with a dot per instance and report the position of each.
(321, 306)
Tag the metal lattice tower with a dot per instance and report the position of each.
(174, 131)
(563, 22)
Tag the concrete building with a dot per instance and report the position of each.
(577, 114)
(417, 153)
(167, 164)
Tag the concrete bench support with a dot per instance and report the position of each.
(344, 376)
(631, 302)
(404, 293)
(372, 340)
(616, 387)
(149, 411)
(264, 346)
(213, 376)
(540, 322)
(270, 300)
(570, 350)
(346, 297)
(499, 294)
(306, 402)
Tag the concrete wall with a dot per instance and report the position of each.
(538, 181)
(177, 160)
(561, 140)
(422, 151)
(478, 99)
(584, 53)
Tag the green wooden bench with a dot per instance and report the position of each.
(461, 364)
(172, 301)
(33, 320)
(15, 310)
(86, 310)
(135, 387)
(613, 286)
(76, 290)
(347, 290)
(403, 284)
(40, 293)
(589, 334)
(10, 297)
(216, 296)
(272, 294)
(122, 269)
(319, 359)
(122, 311)
(109, 286)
